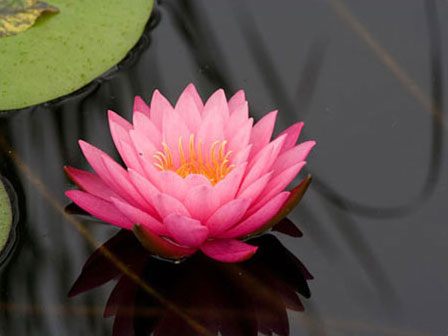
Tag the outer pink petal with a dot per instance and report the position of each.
(99, 208)
(120, 129)
(293, 156)
(122, 183)
(167, 205)
(172, 184)
(159, 106)
(228, 250)
(227, 188)
(186, 231)
(254, 190)
(236, 100)
(115, 118)
(137, 216)
(201, 202)
(144, 125)
(292, 134)
(258, 219)
(262, 132)
(94, 157)
(146, 152)
(190, 108)
(145, 188)
(263, 162)
(276, 185)
(90, 183)
(140, 106)
(227, 216)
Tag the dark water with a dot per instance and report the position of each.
(368, 79)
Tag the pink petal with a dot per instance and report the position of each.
(147, 128)
(137, 216)
(228, 250)
(227, 216)
(140, 106)
(227, 188)
(186, 231)
(159, 107)
(254, 190)
(160, 246)
(94, 157)
(201, 202)
(258, 219)
(216, 105)
(145, 188)
(210, 130)
(263, 161)
(117, 119)
(167, 205)
(236, 100)
(172, 184)
(90, 183)
(240, 157)
(262, 132)
(237, 118)
(240, 140)
(122, 184)
(292, 134)
(293, 156)
(174, 128)
(146, 152)
(190, 108)
(99, 208)
(194, 180)
(277, 184)
(119, 129)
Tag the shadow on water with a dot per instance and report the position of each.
(230, 299)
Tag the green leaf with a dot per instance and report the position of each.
(64, 52)
(5, 215)
(18, 15)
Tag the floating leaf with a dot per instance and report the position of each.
(18, 15)
(5, 215)
(64, 52)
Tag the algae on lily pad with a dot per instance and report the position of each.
(61, 53)
(5, 215)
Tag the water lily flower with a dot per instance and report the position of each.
(198, 177)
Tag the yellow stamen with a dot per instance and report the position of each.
(215, 166)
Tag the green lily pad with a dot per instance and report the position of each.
(5, 215)
(61, 53)
(17, 16)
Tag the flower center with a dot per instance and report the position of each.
(214, 165)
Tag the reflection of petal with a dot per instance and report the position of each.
(244, 299)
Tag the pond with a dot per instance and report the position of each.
(369, 81)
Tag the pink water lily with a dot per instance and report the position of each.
(199, 176)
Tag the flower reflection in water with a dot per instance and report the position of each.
(231, 299)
